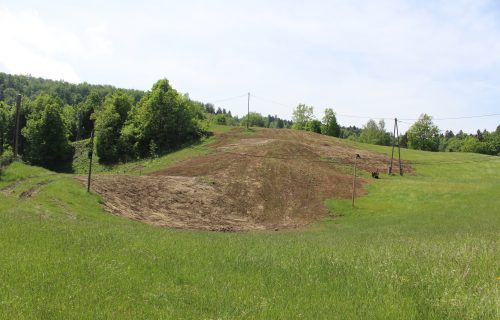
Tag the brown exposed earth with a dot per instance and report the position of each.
(266, 179)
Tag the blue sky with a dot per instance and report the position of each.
(363, 58)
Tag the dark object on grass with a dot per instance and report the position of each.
(375, 175)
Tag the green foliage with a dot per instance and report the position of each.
(220, 119)
(109, 123)
(492, 143)
(87, 112)
(423, 134)
(6, 157)
(256, 120)
(302, 114)
(70, 119)
(277, 123)
(313, 126)
(4, 125)
(153, 149)
(330, 126)
(46, 137)
(162, 116)
(483, 142)
(374, 133)
(69, 93)
(471, 144)
(139, 166)
(351, 132)
(83, 98)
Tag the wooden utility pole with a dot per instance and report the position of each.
(394, 140)
(354, 180)
(79, 126)
(91, 152)
(248, 111)
(16, 133)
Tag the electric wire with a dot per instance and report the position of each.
(228, 99)
(383, 118)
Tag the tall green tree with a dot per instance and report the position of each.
(374, 133)
(256, 120)
(163, 117)
(424, 134)
(302, 114)
(109, 123)
(70, 119)
(86, 113)
(313, 126)
(330, 126)
(46, 137)
(5, 118)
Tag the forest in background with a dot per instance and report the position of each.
(133, 124)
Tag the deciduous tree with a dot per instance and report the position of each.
(47, 142)
(424, 134)
(162, 116)
(109, 124)
(374, 133)
(301, 115)
(330, 126)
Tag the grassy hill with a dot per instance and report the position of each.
(422, 246)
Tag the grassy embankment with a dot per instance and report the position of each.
(423, 246)
(81, 160)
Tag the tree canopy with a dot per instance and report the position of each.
(302, 114)
(374, 133)
(424, 134)
(46, 135)
(109, 123)
(330, 126)
(164, 118)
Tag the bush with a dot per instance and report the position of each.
(46, 136)
(6, 158)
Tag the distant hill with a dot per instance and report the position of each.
(69, 93)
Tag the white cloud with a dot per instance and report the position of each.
(376, 58)
(36, 46)
(31, 46)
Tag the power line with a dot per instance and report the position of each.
(461, 117)
(272, 101)
(337, 114)
(381, 118)
(228, 99)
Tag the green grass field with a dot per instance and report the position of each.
(422, 246)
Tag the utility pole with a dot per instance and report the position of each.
(78, 127)
(248, 112)
(91, 152)
(354, 180)
(16, 133)
(396, 138)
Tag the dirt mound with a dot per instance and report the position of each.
(263, 180)
(178, 202)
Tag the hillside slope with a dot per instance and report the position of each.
(263, 179)
(422, 246)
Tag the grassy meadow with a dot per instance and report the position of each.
(422, 246)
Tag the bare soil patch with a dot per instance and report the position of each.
(270, 179)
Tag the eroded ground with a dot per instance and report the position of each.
(268, 179)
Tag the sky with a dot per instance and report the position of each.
(363, 59)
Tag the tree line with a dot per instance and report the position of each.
(128, 124)
(422, 135)
(162, 120)
(133, 124)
